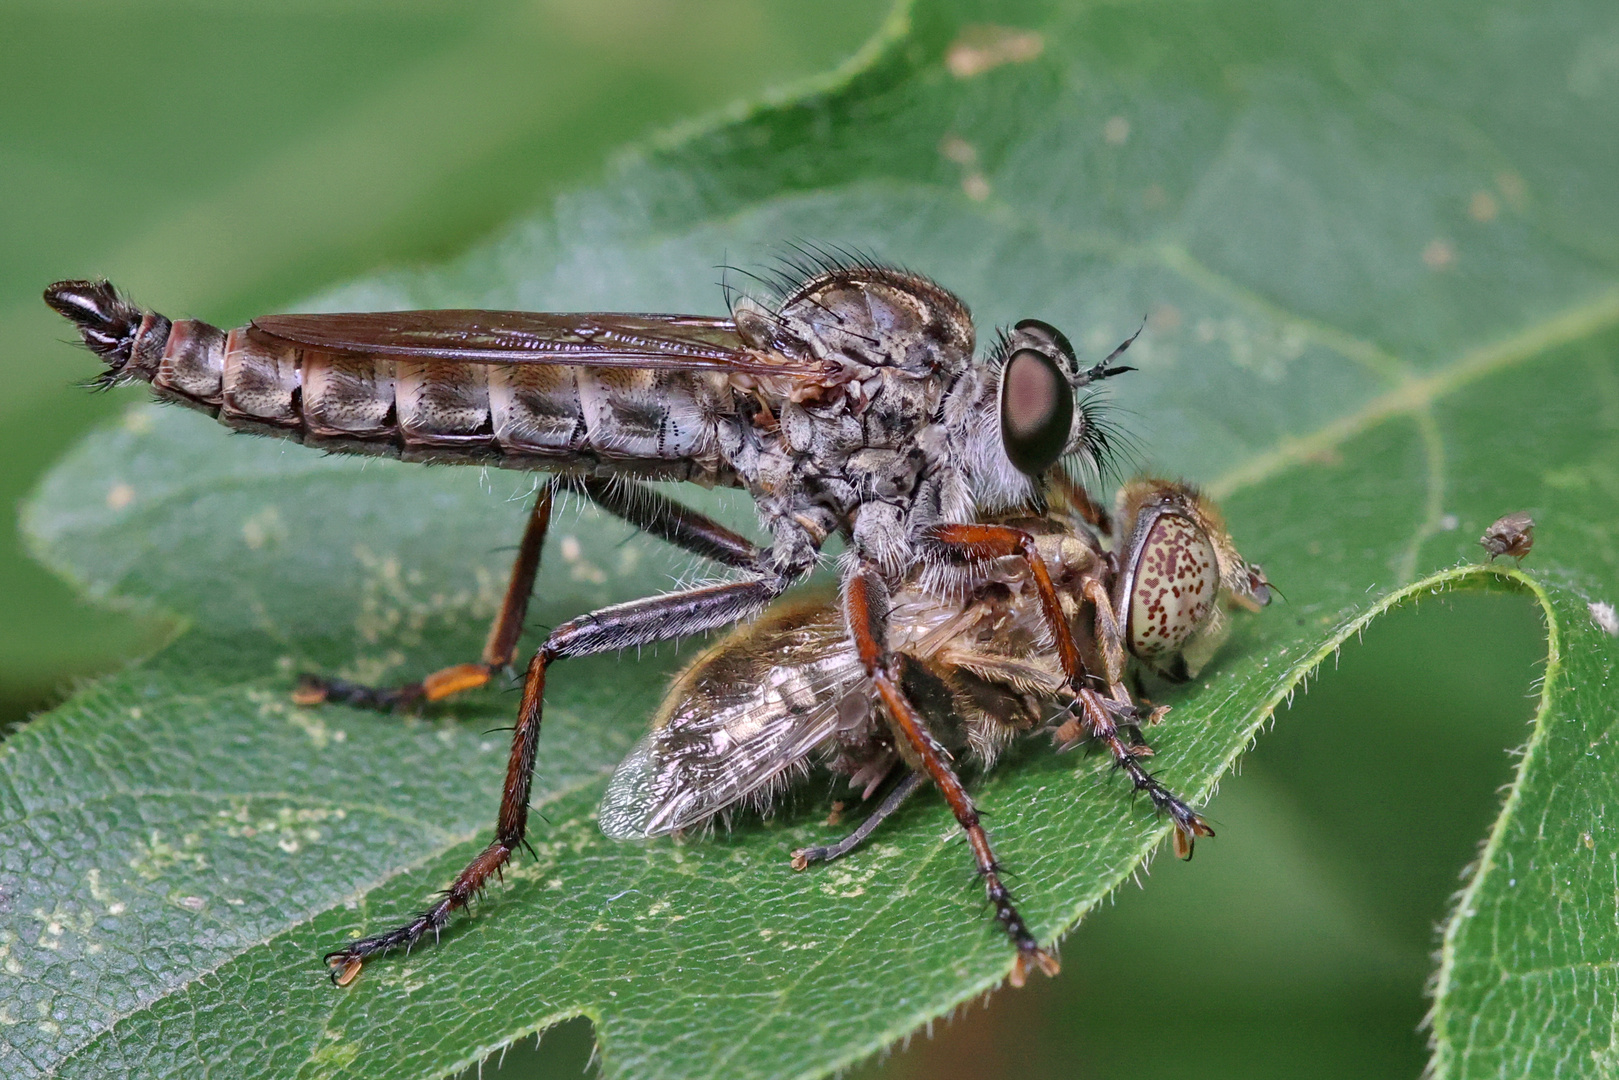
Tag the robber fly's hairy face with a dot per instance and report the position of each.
(1033, 411)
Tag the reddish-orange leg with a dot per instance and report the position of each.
(640, 506)
(498, 651)
(622, 626)
(865, 604)
(1097, 713)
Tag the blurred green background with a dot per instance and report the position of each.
(222, 159)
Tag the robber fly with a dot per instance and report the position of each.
(979, 663)
(847, 402)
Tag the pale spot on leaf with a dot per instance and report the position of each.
(264, 528)
(1438, 255)
(984, 48)
(1165, 318)
(1512, 188)
(119, 496)
(138, 420)
(955, 148)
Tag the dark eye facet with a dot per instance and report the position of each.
(1043, 336)
(1037, 411)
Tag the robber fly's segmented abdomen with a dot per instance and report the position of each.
(647, 422)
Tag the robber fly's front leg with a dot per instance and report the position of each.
(623, 626)
(1098, 713)
(865, 607)
(1101, 718)
(635, 503)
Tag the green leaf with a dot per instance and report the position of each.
(1378, 251)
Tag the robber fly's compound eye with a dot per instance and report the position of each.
(1174, 577)
(1037, 411)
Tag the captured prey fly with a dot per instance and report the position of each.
(975, 668)
(847, 402)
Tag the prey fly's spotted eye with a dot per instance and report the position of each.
(1173, 582)
(1037, 411)
(1178, 571)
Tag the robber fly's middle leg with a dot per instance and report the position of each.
(646, 509)
(610, 629)
(1099, 711)
(865, 606)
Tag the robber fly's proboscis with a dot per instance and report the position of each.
(847, 400)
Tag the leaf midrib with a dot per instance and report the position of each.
(1416, 394)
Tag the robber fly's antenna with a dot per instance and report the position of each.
(1102, 371)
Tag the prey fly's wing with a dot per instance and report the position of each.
(741, 722)
(595, 339)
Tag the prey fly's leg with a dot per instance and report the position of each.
(865, 606)
(622, 626)
(803, 857)
(1109, 634)
(635, 503)
(1098, 714)
(498, 651)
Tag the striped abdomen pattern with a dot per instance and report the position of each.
(670, 423)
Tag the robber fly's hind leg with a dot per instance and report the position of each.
(498, 652)
(865, 603)
(622, 626)
(635, 503)
(804, 857)
(1099, 715)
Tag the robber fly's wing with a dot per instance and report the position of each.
(740, 723)
(596, 339)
